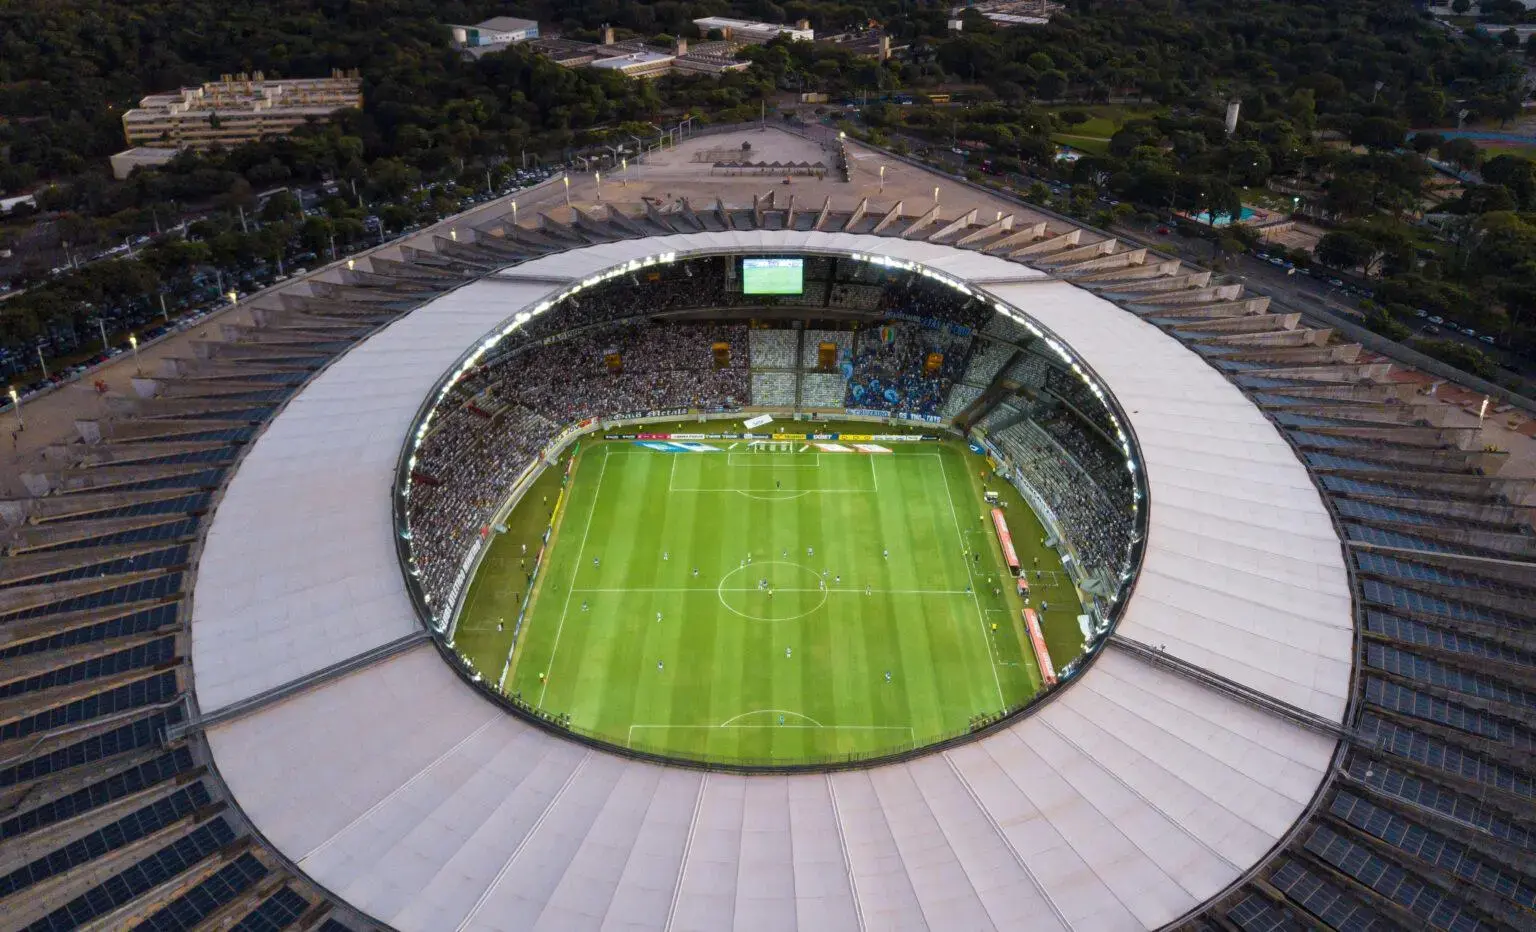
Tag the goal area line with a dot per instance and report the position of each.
(910, 732)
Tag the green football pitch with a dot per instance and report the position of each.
(772, 606)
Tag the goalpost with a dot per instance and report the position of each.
(771, 446)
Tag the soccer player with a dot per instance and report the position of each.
(594, 561)
(781, 719)
(695, 572)
(886, 554)
(776, 485)
(499, 627)
(583, 604)
(787, 653)
(665, 555)
(839, 580)
(866, 589)
(887, 676)
(784, 554)
(658, 666)
(658, 617)
(810, 551)
(994, 626)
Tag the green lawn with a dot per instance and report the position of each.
(645, 532)
(1092, 145)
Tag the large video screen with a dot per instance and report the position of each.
(772, 276)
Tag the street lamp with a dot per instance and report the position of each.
(232, 296)
(882, 179)
(598, 176)
(133, 341)
(16, 400)
(935, 195)
(567, 180)
(625, 164)
(514, 213)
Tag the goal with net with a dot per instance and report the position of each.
(771, 446)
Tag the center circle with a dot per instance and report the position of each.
(798, 579)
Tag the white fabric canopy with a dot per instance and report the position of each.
(1124, 803)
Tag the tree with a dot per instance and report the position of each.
(1515, 174)
(1462, 153)
(1377, 132)
(1051, 85)
(1424, 143)
(1461, 7)
(1343, 249)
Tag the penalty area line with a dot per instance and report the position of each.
(829, 589)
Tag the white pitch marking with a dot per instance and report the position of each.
(727, 722)
(829, 589)
(980, 616)
(580, 552)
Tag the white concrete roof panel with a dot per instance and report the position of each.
(1127, 800)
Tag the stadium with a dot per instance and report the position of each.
(902, 338)
(1084, 593)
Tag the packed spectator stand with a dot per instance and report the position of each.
(645, 342)
(500, 417)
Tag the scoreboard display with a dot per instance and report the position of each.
(772, 276)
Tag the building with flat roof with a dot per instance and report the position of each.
(642, 64)
(124, 162)
(498, 32)
(238, 108)
(743, 30)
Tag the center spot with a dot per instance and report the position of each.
(795, 591)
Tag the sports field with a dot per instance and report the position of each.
(776, 604)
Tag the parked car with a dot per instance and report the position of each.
(1421, 313)
(1486, 339)
(1437, 320)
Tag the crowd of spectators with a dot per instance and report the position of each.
(1028, 370)
(1006, 328)
(1098, 528)
(888, 371)
(500, 417)
(961, 396)
(1068, 387)
(988, 360)
(554, 371)
(1092, 452)
(919, 297)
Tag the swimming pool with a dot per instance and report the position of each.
(1222, 220)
